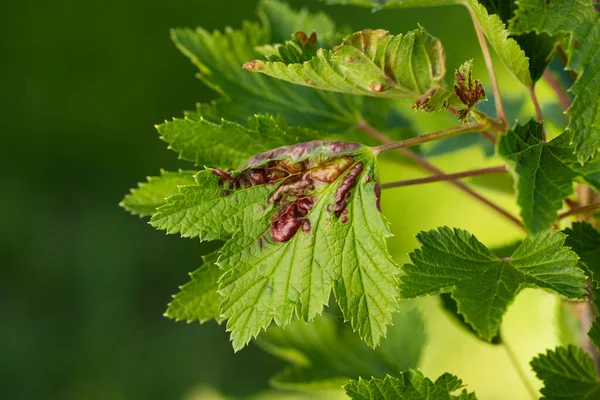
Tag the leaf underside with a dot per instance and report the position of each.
(411, 385)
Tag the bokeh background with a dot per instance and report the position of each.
(83, 284)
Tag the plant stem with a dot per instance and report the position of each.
(490, 67)
(444, 133)
(561, 94)
(519, 369)
(579, 210)
(446, 177)
(538, 110)
(371, 131)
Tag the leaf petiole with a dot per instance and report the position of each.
(446, 177)
(441, 134)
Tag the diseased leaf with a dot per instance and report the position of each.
(280, 20)
(302, 219)
(411, 385)
(484, 285)
(543, 172)
(469, 91)
(325, 353)
(369, 62)
(148, 196)
(227, 145)
(551, 17)
(492, 26)
(567, 373)
(198, 300)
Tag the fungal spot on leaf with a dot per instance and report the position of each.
(378, 196)
(377, 88)
(289, 219)
(306, 226)
(254, 65)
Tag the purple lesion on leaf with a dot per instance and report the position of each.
(302, 151)
(288, 220)
(377, 190)
(343, 192)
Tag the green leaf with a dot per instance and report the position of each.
(551, 17)
(227, 145)
(567, 373)
(594, 332)
(325, 353)
(451, 307)
(483, 284)
(411, 385)
(369, 62)
(198, 300)
(302, 219)
(148, 196)
(220, 55)
(584, 59)
(585, 241)
(280, 20)
(506, 48)
(543, 172)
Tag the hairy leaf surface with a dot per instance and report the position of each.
(148, 196)
(567, 373)
(483, 284)
(302, 220)
(198, 300)
(543, 172)
(325, 353)
(411, 385)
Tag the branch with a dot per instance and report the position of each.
(579, 210)
(490, 68)
(444, 133)
(561, 94)
(446, 177)
(538, 110)
(368, 129)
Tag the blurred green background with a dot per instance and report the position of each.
(83, 284)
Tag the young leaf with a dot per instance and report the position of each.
(369, 62)
(484, 285)
(411, 385)
(468, 91)
(227, 145)
(148, 196)
(492, 26)
(543, 172)
(567, 373)
(301, 219)
(198, 300)
(325, 353)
